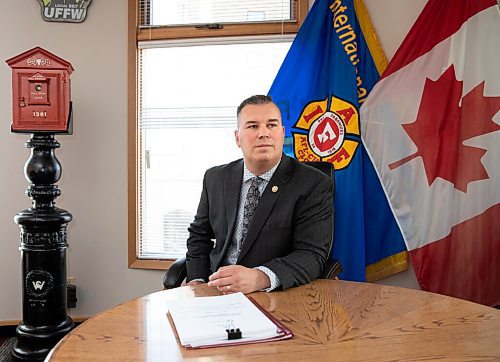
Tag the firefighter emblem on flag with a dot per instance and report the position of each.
(332, 127)
(67, 11)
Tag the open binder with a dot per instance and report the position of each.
(225, 320)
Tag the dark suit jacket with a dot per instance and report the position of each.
(291, 232)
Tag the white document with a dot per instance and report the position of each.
(203, 321)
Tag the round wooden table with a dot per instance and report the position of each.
(331, 320)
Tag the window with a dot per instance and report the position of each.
(183, 121)
(182, 12)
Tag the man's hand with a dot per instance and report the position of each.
(237, 278)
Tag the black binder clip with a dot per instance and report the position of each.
(232, 333)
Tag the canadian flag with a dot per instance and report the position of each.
(432, 128)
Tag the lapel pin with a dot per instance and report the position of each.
(274, 189)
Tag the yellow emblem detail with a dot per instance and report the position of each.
(327, 130)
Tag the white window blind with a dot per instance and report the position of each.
(188, 94)
(191, 12)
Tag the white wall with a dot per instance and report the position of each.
(94, 158)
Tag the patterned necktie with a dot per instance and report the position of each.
(251, 202)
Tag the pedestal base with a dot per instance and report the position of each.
(35, 343)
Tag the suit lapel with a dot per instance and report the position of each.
(232, 190)
(278, 182)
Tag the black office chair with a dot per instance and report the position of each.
(177, 272)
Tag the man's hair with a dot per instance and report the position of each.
(257, 99)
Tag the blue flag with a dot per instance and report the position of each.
(324, 79)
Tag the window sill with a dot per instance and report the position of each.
(158, 264)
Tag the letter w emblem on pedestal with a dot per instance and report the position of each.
(38, 285)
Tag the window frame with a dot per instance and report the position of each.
(137, 34)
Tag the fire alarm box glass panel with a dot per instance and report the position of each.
(38, 89)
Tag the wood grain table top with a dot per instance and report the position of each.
(331, 321)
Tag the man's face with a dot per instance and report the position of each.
(260, 136)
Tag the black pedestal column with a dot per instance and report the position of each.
(43, 255)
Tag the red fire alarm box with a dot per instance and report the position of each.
(40, 92)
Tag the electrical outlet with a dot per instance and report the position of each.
(70, 280)
(71, 296)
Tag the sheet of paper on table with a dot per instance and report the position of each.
(202, 322)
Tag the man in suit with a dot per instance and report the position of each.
(271, 216)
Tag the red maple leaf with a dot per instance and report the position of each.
(442, 126)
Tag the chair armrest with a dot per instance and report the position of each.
(331, 270)
(175, 274)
